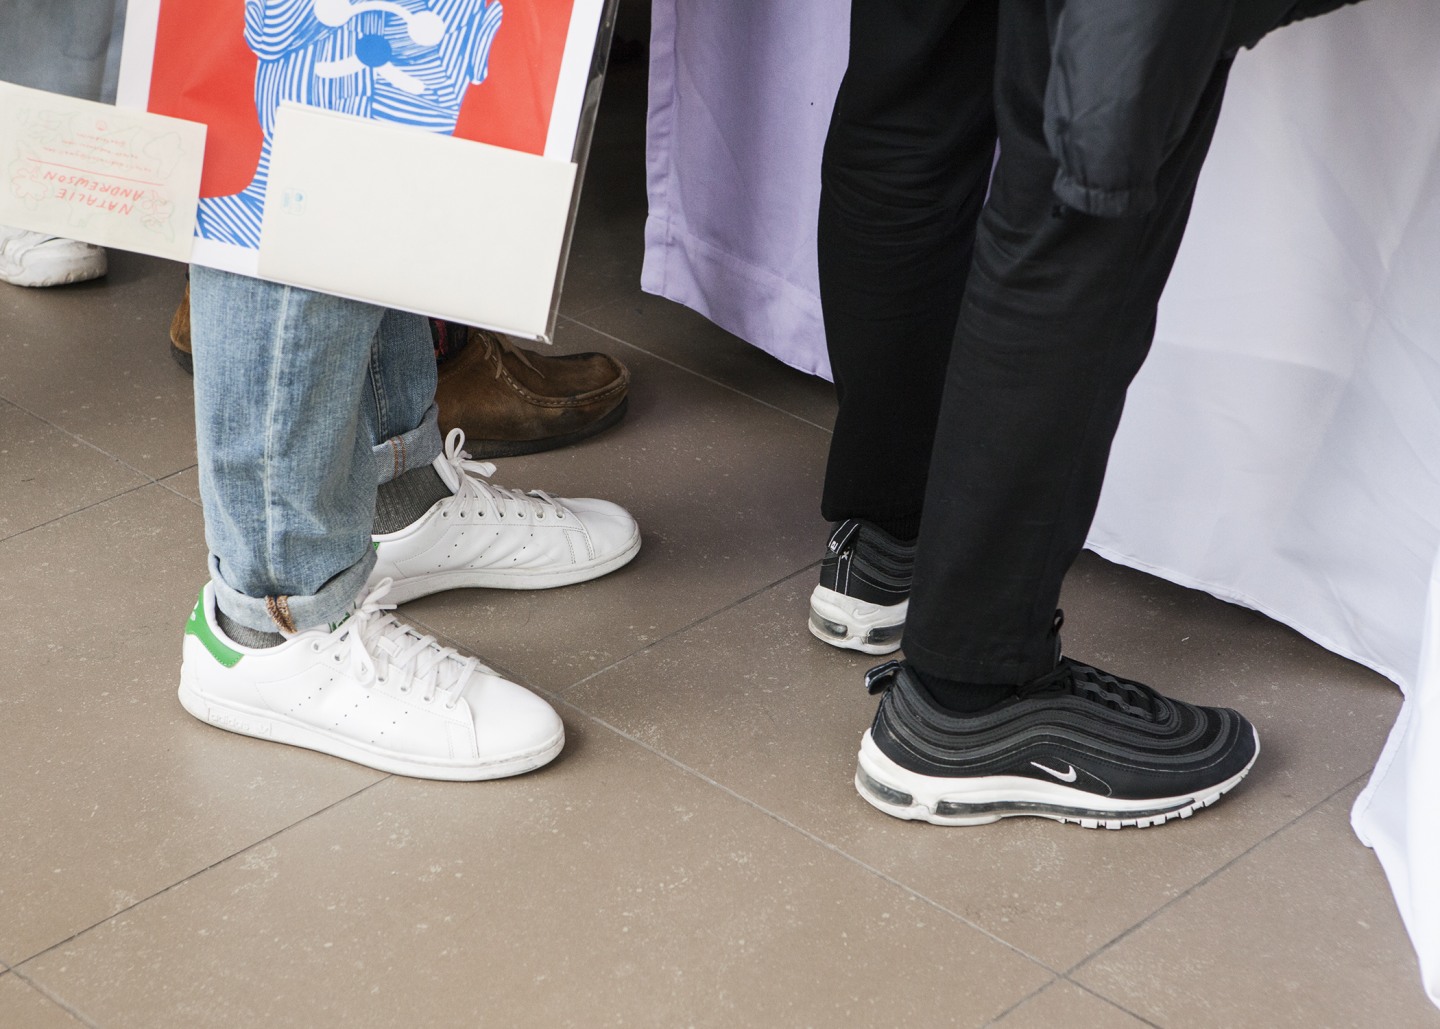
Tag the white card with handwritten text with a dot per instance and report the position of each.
(90, 171)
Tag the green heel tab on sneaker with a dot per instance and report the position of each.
(198, 625)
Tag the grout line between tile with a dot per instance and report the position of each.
(698, 375)
(1098, 951)
(686, 628)
(1050, 986)
(562, 690)
(161, 483)
(59, 1002)
(824, 844)
(385, 777)
(82, 440)
(81, 510)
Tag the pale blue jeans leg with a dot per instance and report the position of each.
(304, 403)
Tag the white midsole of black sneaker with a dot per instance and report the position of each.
(980, 800)
(278, 728)
(852, 624)
(416, 586)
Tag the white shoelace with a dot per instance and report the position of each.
(472, 476)
(380, 646)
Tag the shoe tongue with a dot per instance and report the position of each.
(448, 474)
(1112, 691)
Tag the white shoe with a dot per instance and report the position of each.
(35, 259)
(371, 690)
(486, 535)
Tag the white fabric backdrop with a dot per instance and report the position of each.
(1281, 448)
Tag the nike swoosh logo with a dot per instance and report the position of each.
(1069, 775)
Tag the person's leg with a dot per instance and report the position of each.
(906, 161)
(985, 720)
(60, 46)
(303, 403)
(1057, 319)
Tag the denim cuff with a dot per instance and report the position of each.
(414, 449)
(294, 614)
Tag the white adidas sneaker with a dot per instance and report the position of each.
(370, 690)
(36, 259)
(486, 535)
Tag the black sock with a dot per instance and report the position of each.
(246, 636)
(404, 499)
(905, 528)
(963, 697)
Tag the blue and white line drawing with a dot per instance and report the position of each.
(403, 61)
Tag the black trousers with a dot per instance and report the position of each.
(981, 346)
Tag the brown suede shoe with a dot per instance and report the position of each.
(508, 400)
(511, 401)
(180, 333)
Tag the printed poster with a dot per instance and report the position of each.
(509, 74)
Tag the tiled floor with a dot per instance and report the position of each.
(698, 855)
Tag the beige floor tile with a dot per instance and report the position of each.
(609, 889)
(750, 699)
(1064, 1005)
(93, 359)
(24, 1007)
(45, 473)
(1299, 932)
(726, 492)
(678, 334)
(109, 791)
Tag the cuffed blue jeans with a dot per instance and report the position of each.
(304, 404)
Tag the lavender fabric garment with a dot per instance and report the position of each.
(740, 98)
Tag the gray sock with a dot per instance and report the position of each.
(403, 500)
(246, 636)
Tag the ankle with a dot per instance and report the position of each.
(962, 697)
(255, 639)
(405, 499)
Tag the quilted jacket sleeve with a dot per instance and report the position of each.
(1125, 78)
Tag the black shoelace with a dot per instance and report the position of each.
(1131, 698)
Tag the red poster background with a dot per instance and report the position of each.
(204, 72)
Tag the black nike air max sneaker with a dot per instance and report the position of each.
(1076, 745)
(864, 589)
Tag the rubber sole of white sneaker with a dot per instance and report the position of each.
(417, 586)
(905, 794)
(40, 270)
(267, 725)
(852, 624)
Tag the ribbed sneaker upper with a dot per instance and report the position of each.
(488, 528)
(1079, 726)
(865, 562)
